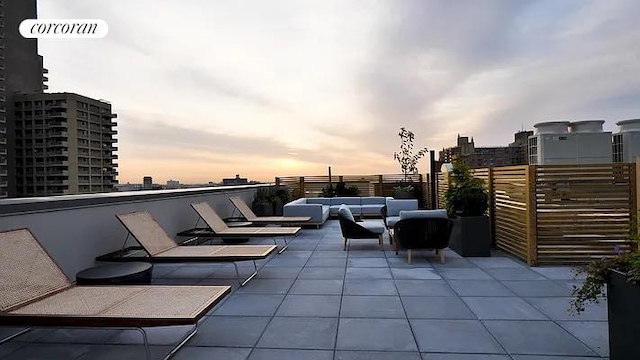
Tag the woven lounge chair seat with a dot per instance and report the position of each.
(158, 247)
(246, 211)
(222, 252)
(219, 228)
(35, 292)
(128, 306)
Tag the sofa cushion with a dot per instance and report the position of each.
(373, 200)
(394, 206)
(392, 220)
(298, 201)
(323, 201)
(354, 209)
(411, 214)
(376, 227)
(325, 212)
(345, 212)
(345, 200)
(372, 209)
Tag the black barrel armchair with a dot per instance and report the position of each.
(358, 230)
(422, 233)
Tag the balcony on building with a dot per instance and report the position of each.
(58, 114)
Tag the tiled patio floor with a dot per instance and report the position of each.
(316, 301)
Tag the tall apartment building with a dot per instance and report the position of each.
(64, 144)
(20, 71)
(481, 157)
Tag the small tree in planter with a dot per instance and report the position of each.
(262, 204)
(621, 275)
(408, 163)
(280, 196)
(467, 201)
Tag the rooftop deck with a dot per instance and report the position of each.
(315, 301)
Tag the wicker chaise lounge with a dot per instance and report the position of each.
(248, 214)
(217, 227)
(35, 292)
(158, 247)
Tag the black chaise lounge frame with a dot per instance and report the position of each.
(158, 247)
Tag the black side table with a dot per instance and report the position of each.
(134, 273)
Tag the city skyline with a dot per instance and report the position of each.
(206, 90)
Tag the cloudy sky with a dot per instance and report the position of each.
(207, 89)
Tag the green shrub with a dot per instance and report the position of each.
(466, 195)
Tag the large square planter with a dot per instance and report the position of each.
(262, 209)
(471, 236)
(624, 318)
(278, 206)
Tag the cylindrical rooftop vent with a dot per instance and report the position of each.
(629, 125)
(586, 126)
(552, 127)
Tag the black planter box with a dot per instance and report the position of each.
(404, 195)
(262, 209)
(624, 318)
(278, 206)
(471, 236)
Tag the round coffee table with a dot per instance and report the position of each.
(116, 273)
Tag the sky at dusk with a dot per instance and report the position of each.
(208, 89)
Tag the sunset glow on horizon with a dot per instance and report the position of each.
(205, 90)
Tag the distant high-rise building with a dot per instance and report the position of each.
(235, 181)
(173, 184)
(147, 182)
(481, 157)
(64, 144)
(21, 71)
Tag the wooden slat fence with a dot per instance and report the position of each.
(561, 214)
(369, 185)
(583, 212)
(509, 196)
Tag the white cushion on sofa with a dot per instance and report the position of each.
(355, 209)
(372, 209)
(392, 220)
(345, 200)
(394, 206)
(376, 227)
(373, 200)
(323, 201)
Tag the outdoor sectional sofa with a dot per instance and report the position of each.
(319, 209)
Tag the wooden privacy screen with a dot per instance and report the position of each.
(369, 185)
(509, 212)
(583, 212)
(560, 214)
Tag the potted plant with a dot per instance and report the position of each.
(408, 164)
(328, 192)
(404, 191)
(467, 201)
(280, 196)
(343, 190)
(262, 204)
(621, 275)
